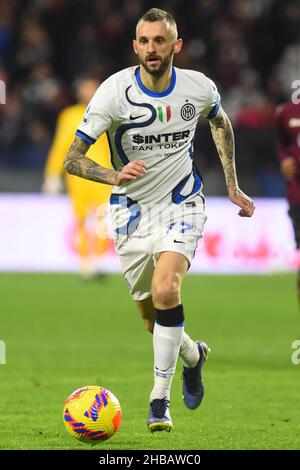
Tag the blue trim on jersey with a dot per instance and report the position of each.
(177, 197)
(215, 109)
(121, 200)
(192, 147)
(155, 94)
(111, 152)
(197, 171)
(85, 137)
(132, 125)
(135, 213)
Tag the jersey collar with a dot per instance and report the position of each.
(155, 94)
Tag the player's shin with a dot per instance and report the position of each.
(167, 336)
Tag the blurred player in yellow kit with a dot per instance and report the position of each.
(85, 195)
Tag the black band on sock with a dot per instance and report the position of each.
(170, 317)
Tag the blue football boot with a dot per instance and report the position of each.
(192, 386)
(159, 415)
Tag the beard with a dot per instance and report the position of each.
(157, 71)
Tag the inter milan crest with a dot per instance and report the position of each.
(188, 111)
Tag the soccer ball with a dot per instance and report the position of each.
(92, 414)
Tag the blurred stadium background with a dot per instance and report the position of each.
(251, 48)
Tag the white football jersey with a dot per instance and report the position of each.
(157, 127)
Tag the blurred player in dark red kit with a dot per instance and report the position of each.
(288, 149)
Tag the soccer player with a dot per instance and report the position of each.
(288, 149)
(86, 196)
(150, 113)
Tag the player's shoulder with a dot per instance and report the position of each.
(197, 81)
(120, 77)
(195, 74)
(197, 77)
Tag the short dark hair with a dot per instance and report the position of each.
(156, 14)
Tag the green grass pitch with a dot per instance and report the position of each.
(62, 333)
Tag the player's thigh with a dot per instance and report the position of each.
(137, 265)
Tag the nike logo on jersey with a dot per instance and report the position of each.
(133, 118)
(177, 241)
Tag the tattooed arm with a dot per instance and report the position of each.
(77, 163)
(224, 140)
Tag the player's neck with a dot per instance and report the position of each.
(156, 83)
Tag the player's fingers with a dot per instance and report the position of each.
(247, 203)
(132, 172)
(137, 166)
(138, 163)
(127, 177)
(134, 168)
(243, 213)
(251, 207)
(141, 162)
(244, 207)
(248, 212)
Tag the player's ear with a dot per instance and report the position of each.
(178, 45)
(134, 46)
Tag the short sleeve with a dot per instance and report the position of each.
(213, 101)
(98, 115)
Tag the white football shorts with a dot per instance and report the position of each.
(142, 232)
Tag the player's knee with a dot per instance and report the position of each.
(166, 292)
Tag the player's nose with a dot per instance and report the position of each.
(151, 47)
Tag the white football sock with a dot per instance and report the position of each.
(188, 351)
(166, 343)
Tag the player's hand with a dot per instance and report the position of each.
(288, 168)
(131, 171)
(243, 201)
